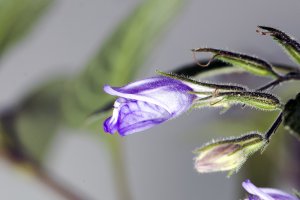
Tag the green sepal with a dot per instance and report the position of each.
(296, 193)
(289, 44)
(117, 60)
(220, 87)
(259, 100)
(251, 64)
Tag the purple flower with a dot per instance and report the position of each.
(146, 103)
(256, 193)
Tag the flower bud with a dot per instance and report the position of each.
(228, 154)
(251, 64)
(146, 103)
(288, 43)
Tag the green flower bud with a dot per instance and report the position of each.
(228, 154)
(288, 43)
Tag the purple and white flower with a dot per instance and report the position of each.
(256, 193)
(146, 103)
(151, 101)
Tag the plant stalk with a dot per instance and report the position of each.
(119, 168)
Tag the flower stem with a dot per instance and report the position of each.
(287, 77)
(274, 127)
(119, 169)
(57, 186)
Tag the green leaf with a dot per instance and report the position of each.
(17, 17)
(39, 117)
(289, 44)
(251, 64)
(291, 116)
(72, 100)
(118, 60)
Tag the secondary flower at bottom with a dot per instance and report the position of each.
(256, 193)
(146, 103)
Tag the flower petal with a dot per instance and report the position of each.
(146, 103)
(170, 94)
(278, 194)
(132, 116)
(252, 189)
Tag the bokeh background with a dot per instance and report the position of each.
(158, 163)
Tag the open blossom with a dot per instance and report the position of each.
(256, 193)
(146, 103)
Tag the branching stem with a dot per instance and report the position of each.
(287, 77)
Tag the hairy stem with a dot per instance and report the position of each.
(274, 126)
(287, 77)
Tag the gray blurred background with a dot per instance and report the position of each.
(159, 161)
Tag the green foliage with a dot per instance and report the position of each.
(39, 117)
(290, 45)
(17, 17)
(291, 116)
(72, 100)
(118, 60)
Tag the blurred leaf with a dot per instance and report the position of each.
(289, 44)
(118, 60)
(39, 118)
(249, 63)
(291, 116)
(17, 17)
